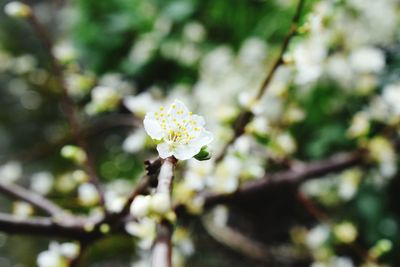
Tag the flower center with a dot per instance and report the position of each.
(178, 127)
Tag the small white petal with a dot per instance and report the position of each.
(135, 142)
(204, 138)
(164, 150)
(199, 120)
(178, 106)
(152, 127)
(184, 152)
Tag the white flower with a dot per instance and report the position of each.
(42, 182)
(22, 209)
(140, 206)
(113, 201)
(181, 134)
(196, 174)
(226, 176)
(17, 9)
(140, 104)
(160, 203)
(359, 125)
(345, 232)
(391, 96)
(341, 262)
(69, 250)
(317, 236)
(58, 255)
(144, 229)
(88, 195)
(51, 258)
(194, 32)
(135, 141)
(10, 172)
(367, 60)
(286, 143)
(64, 52)
(105, 96)
(252, 51)
(309, 57)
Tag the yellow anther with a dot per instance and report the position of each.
(161, 108)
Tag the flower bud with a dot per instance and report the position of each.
(203, 154)
(140, 206)
(381, 247)
(160, 203)
(345, 232)
(17, 10)
(73, 153)
(88, 195)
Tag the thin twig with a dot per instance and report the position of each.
(162, 247)
(68, 104)
(152, 168)
(40, 226)
(246, 115)
(236, 240)
(268, 254)
(293, 177)
(18, 192)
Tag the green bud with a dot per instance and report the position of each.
(73, 153)
(381, 247)
(203, 154)
(105, 228)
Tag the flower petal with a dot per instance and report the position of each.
(199, 120)
(152, 127)
(203, 139)
(178, 110)
(184, 152)
(164, 150)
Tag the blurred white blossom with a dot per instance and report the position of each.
(58, 255)
(42, 182)
(88, 195)
(10, 172)
(17, 9)
(22, 209)
(367, 60)
(135, 141)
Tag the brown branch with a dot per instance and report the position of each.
(152, 169)
(237, 241)
(68, 104)
(162, 247)
(246, 115)
(293, 177)
(40, 226)
(18, 192)
(267, 254)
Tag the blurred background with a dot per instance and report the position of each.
(337, 90)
